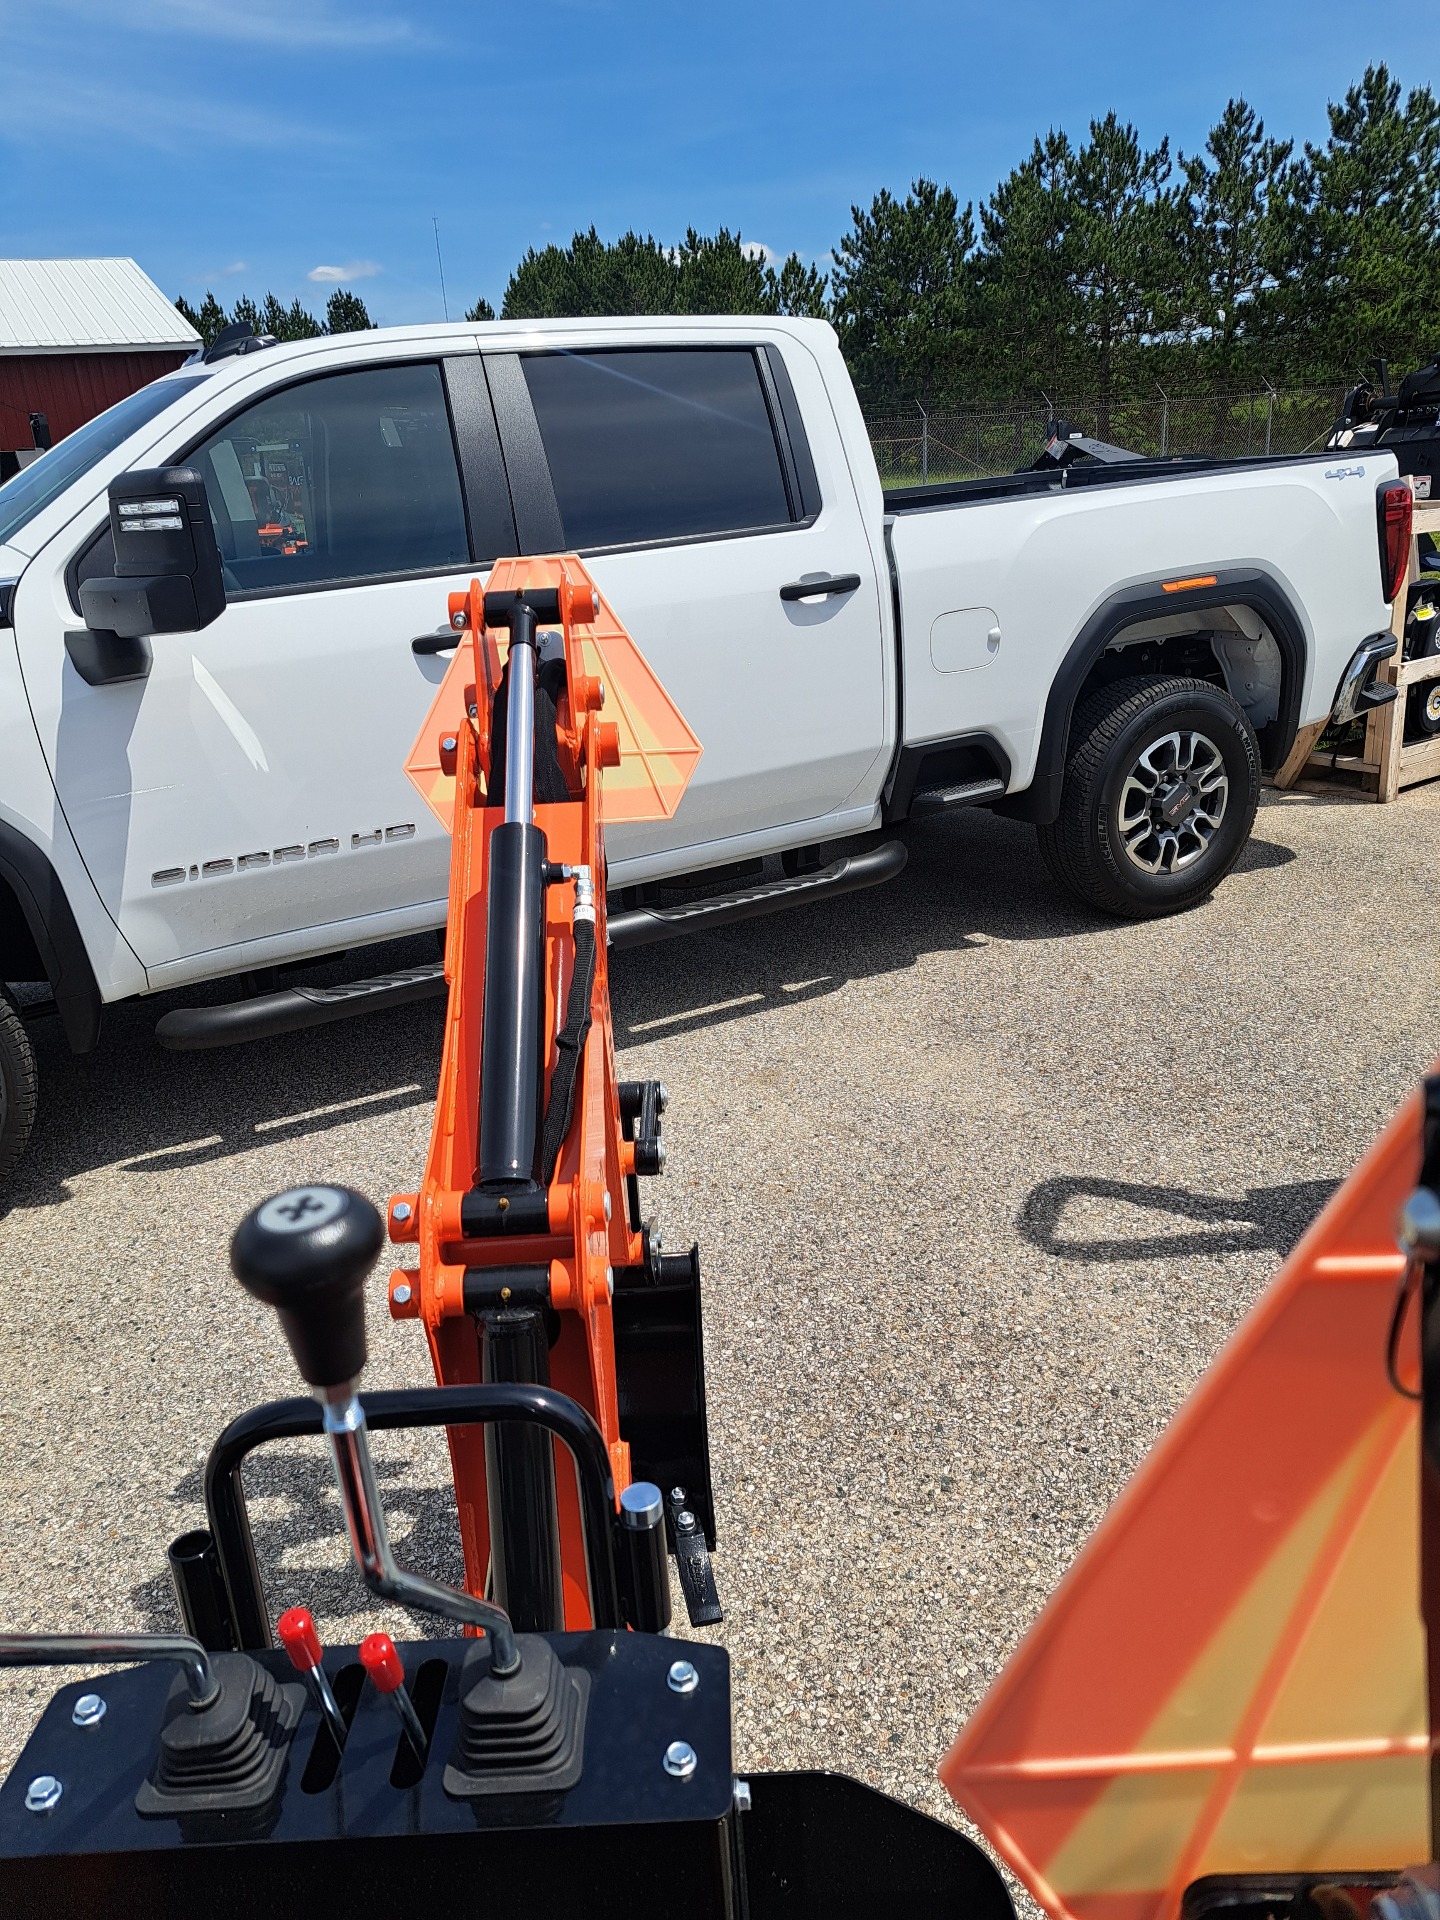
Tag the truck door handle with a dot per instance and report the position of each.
(441, 642)
(812, 589)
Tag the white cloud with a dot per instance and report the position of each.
(333, 276)
(275, 23)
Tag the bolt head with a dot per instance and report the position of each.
(457, 621)
(403, 1210)
(662, 1096)
(609, 1206)
(400, 1295)
(609, 1283)
(680, 1761)
(44, 1791)
(677, 1494)
(682, 1677)
(1420, 1222)
(88, 1711)
(685, 1520)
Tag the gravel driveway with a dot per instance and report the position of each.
(980, 1184)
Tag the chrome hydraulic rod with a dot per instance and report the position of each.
(520, 723)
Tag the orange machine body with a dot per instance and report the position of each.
(589, 1233)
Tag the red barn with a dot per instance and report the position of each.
(75, 337)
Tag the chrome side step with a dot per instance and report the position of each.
(641, 925)
(188, 1029)
(969, 793)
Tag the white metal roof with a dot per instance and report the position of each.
(85, 306)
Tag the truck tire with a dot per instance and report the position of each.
(18, 1084)
(1160, 791)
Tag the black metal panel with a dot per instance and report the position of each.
(660, 1373)
(520, 1480)
(819, 1844)
(627, 1840)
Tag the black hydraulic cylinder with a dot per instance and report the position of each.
(200, 1590)
(511, 1061)
(520, 1481)
(644, 1573)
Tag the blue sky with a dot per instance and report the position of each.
(255, 144)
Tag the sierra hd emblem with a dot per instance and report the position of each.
(277, 856)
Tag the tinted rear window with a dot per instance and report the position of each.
(669, 445)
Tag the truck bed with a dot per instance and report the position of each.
(1084, 476)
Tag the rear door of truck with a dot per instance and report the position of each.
(698, 480)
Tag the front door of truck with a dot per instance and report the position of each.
(252, 786)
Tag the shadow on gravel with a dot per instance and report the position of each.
(294, 1510)
(971, 878)
(1268, 1218)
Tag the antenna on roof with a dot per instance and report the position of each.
(435, 222)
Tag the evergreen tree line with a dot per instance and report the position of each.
(1099, 268)
(344, 313)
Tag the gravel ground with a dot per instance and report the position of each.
(980, 1182)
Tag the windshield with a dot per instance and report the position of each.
(45, 479)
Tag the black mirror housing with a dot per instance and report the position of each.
(167, 575)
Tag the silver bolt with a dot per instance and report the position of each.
(457, 621)
(44, 1791)
(682, 1677)
(1420, 1223)
(401, 1295)
(449, 743)
(685, 1520)
(679, 1763)
(609, 1283)
(740, 1795)
(677, 1494)
(88, 1711)
(404, 1209)
(662, 1096)
(659, 1156)
(609, 1206)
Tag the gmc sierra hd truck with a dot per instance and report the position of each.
(201, 769)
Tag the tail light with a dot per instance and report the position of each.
(1394, 506)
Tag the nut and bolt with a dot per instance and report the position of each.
(457, 621)
(685, 1521)
(449, 743)
(400, 1295)
(677, 1496)
(88, 1711)
(402, 1210)
(44, 1791)
(679, 1762)
(682, 1677)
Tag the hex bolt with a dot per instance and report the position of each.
(88, 1711)
(677, 1496)
(685, 1520)
(680, 1761)
(682, 1677)
(402, 1210)
(740, 1796)
(609, 1206)
(401, 1294)
(44, 1791)
(447, 745)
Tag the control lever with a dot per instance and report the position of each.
(96, 1649)
(387, 1670)
(306, 1252)
(296, 1632)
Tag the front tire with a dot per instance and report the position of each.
(1160, 791)
(18, 1084)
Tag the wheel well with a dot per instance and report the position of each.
(19, 956)
(1235, 628)
(40, 939)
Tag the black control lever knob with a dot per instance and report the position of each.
(307, 1252)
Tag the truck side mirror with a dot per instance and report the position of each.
(167, 575)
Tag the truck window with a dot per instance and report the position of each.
(643, 446)
(347, 477)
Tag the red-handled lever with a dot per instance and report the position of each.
(387, 1670)
(300, 1640)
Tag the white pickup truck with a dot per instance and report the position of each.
(202, 778)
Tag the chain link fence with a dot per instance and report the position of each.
(917, 446)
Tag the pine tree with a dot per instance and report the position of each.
(482, 310)
(345, 313)
(244, 309)
(1023, 272)
(902, 293)
(719, 275)
(1227, 244)
(797, 290)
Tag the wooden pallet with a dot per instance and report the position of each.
(1386, 764)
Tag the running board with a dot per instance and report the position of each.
(187, 1029)
(969, 793)
(641, 925)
